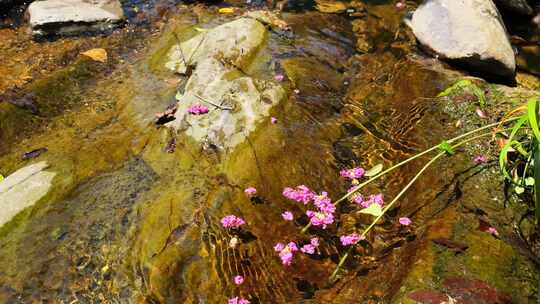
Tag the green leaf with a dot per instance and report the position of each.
(529, 181)
(456, 86)
(374, 171)
(1, 177)
(519, 189)
(479, 93)
(536, 177)
(373, 209)
(503, 155)
(531, 111)
(446, 147)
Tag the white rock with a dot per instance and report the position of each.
(218, 56)
(23, 189)
(72, 16)
(468, 32)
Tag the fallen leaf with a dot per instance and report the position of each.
(226, 10)
(373, 209)
(34, 153)
(374, 171)
(96, 55)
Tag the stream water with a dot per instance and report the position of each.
(133, 212)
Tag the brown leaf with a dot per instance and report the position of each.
(96, 55)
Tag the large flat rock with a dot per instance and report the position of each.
(23, 189)
(467, 32)
(73, 16)
(220, 57)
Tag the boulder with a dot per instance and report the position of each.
(69, 17)
(23, 189)
(467, 32)
(220, 58)
(520, 7)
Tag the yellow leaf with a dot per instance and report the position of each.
(1, 177)
(96, 55)
(226, 10)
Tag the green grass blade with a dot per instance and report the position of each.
(503, 155)
(537, 180)
(531, 111)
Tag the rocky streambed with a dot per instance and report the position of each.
(106, 202)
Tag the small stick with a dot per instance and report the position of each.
(214, 104)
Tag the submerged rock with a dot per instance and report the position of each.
(470, 33)
(23, 189)
(219, 81)
(68, 17)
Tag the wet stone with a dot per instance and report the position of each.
(69, 17)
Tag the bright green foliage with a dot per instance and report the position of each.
(465, 85)
(446, 147)
(373, 209)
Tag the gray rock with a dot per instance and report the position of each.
(69, 17)
(520, 7)
(468, 32)
(237, 101)
(23, 189)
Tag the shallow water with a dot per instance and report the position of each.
(133, 215)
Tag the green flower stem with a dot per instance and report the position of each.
(357, 188)
(398, 196)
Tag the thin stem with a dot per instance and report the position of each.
(212, 103)
(398, 196)
(357, 188)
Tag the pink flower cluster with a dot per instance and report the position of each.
(310, 248)
(405, 221)
(353, 173)
(232, 221)
(301, 194)
(493, 231)
(318, 218)
(198, 109)
(238, 280)
(237, 300)
(287, 215)
(372, 199)
(351, 239)
(250, 191)
(286, 252)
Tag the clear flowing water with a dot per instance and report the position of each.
(133, 214)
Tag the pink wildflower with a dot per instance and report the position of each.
(493, 231)
(405, 221)
(310, 248)
(372, 199)
(237, 300)
(273, 120)
(400, 6)
(353, 173)
(198, 109)
(238, 280)
(287, 215)
(350, 239)
(301, 194)
(320, 218)
(250, 191)
(324, 203)
(480, 159)
(279, 77)
(286, 252)
(232, 221)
